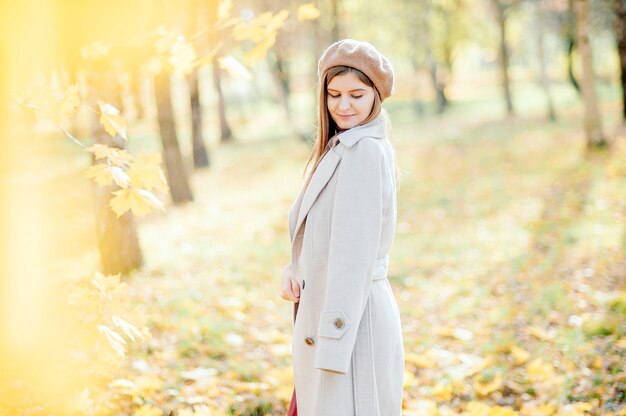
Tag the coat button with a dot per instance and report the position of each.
(309, 341)
(339, 323)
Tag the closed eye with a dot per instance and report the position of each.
(353, 96)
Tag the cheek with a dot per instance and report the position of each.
(366, 104)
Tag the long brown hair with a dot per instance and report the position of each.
(326, 126)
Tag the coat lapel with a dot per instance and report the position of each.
(303, 204)
(293, 214)
(326, 168)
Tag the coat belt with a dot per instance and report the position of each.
(364, 377)
(380, 268)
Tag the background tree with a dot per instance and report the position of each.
(502, 9)
(117, 237)
(592, 121)
(540, 18)
(176, 173)
(619, 26)
(202, 20)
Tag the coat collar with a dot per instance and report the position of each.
(327, 166)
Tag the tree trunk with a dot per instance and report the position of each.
(279, 68)
(570, 37)
(441, 99)
(504, 55)
(135, 89)
(226, 134)
(176, 173)
(545, 82)
(117, 238)
(200, 156)
(619, 24)
(434, 67)
(593, 122)
(335, 20)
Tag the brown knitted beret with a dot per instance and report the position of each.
(362, 56)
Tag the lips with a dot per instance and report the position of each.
(346, 116)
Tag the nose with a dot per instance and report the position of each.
(344, 104)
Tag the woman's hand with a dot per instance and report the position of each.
(289, 287)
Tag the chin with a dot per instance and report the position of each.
(344, 125)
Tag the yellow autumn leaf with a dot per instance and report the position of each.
(502, 411)
(95, 50)
(597, 362)
(104, 174)
(182, 56)
(575, 409)
(50, 103)
(409, 379)
(545, 409)
(484, 388)
(154, 65)
(115, 340)
(123, 386)
(224, 8)
(166, 38)
(282, 381)
(82, 402)
(259, 51)
(146, 173)
(148, 384)
(260, 28)
(148, 410)
(248, 31)
(278, 20)
(111, 119)
(420, 360)
(226, 23)
(120, 177)
(308, 11)
(537, 370)
(442, 391)
(118, 157)
(202, 410)
(235, 68)
(68, 104)
(129, 329)
(458, 333)
(107, 285)
(139, 201)
(520, 355)
(474, 408)
(480, 366)
(100, 173)
(424, 408)
(481, 409)
(539, 333)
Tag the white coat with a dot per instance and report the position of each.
(348, 356)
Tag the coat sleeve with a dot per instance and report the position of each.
(354, 241)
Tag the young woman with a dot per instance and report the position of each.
(348, 356)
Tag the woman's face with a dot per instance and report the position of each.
(349, 100)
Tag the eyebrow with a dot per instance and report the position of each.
(357, 89)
